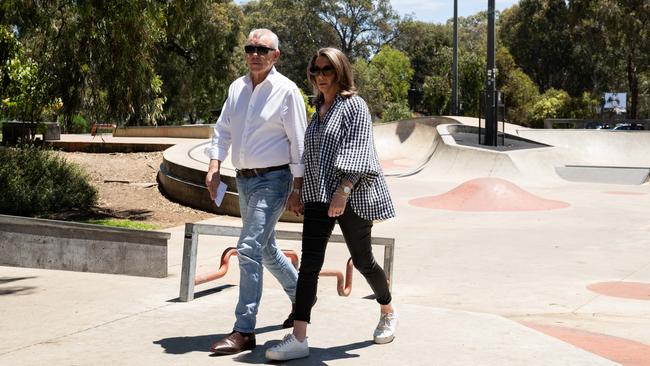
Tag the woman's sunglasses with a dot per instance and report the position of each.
(260, 50)
(325, 71)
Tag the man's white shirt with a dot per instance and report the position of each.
(265, 125)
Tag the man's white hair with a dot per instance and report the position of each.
(275, 42)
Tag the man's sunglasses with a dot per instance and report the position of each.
(325, 71)
(260, 50)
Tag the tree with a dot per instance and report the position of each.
(198, 57)
(552, 104)
(519, 90)
(538, 34)
(362, 26)
(300, 30)
(390, 72)
(428, 46)
(624, 30)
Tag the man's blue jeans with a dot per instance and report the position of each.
(261, 202)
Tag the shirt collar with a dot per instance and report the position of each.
(271, 77)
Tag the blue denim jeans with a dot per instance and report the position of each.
(262, 200)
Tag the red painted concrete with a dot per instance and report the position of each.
(488, 194)
(622, 193)
(621, 350)
(627, 290)
(388, 164)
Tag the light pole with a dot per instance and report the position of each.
(490, 83)
(454, 67)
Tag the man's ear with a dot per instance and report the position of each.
(277, 55)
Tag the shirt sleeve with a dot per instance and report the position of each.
(221, 137)
(295, 123)
(357, 152)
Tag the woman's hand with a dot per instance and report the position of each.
(337, 206)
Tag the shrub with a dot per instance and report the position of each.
(35, 181)
(396, 112)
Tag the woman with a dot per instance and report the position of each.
(343, 183)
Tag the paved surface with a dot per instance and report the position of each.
(567, 286)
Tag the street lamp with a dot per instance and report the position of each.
(454, 68)
(490, 81)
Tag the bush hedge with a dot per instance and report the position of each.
(35, 181)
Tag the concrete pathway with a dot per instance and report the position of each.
(563, 286)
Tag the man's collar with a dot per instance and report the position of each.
(271, 76)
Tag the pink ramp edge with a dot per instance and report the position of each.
(621, 350)
(627, 290)
(488, 194)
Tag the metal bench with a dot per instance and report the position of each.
(191, 243)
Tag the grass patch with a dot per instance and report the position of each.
(128, 224)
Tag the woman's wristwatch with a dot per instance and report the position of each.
(344, 191)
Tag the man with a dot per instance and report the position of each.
(264, 119)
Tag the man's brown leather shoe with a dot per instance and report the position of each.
(234, 343)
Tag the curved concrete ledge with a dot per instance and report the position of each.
(191, 131)
(182, 179)
(52, 244)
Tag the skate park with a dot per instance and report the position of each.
(533, 254)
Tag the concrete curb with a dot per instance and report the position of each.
(51, 244)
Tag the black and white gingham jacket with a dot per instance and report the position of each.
(342, 145)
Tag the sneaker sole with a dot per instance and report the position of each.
(270, 355)
(383, 340)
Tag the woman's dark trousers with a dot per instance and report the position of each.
(317, 228)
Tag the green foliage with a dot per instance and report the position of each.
(519, 90)
(310, 108)
(396, 112)
(300, 30)
(578, 46)
(552, 104)
(79, 125)
(361, 26)
(199, 57)
(36, 181)
(436, 95)
(471, 80)
(385, 80)
(128, 224)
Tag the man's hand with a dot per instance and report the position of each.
(213, 178)
(294, 204)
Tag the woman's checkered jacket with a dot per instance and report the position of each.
(342, 145)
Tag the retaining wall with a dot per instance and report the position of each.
(51, 244)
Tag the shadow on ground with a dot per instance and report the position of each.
(317, 356)
(202, 343)
(15, 290)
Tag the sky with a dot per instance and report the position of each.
(439, 11)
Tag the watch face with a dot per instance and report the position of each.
(347, 190)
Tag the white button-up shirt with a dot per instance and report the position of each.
(265, 125)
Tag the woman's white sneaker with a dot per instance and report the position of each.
(385, 331)
(289, 349)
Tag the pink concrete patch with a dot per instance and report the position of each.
(388, 164)
(488, 194)
(621, 350)
(622, 193)
(627, 290)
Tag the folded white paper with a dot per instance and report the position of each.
(221, 191)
